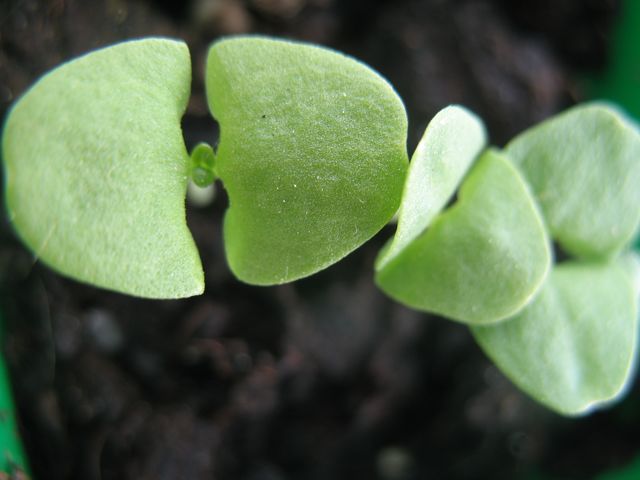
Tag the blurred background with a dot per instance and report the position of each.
(324, 378)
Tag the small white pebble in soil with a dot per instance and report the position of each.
(104, 330)
(394, 463)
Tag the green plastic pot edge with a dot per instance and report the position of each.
(12, 456)
(631, 471)
(620, 82)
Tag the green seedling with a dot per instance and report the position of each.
(312, 153)
(480, 261)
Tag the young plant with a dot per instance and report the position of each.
(312, 154)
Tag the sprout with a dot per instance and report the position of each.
(312, 154)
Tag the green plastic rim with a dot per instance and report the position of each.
(620, 82)
(12, 456)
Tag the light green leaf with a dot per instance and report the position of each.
(452, 141)
(630, 261)
(481, 260)
(572, 348)
(583, 168)
(312, 154)
(96, 170)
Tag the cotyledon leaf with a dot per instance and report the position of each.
(631, 263)
(583, 167)
(312, 153)
(481, 260)
(96, 169)
(573, 346)
(451, 143)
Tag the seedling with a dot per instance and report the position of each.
(313, 156)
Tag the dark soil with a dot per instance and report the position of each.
(324, 378)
